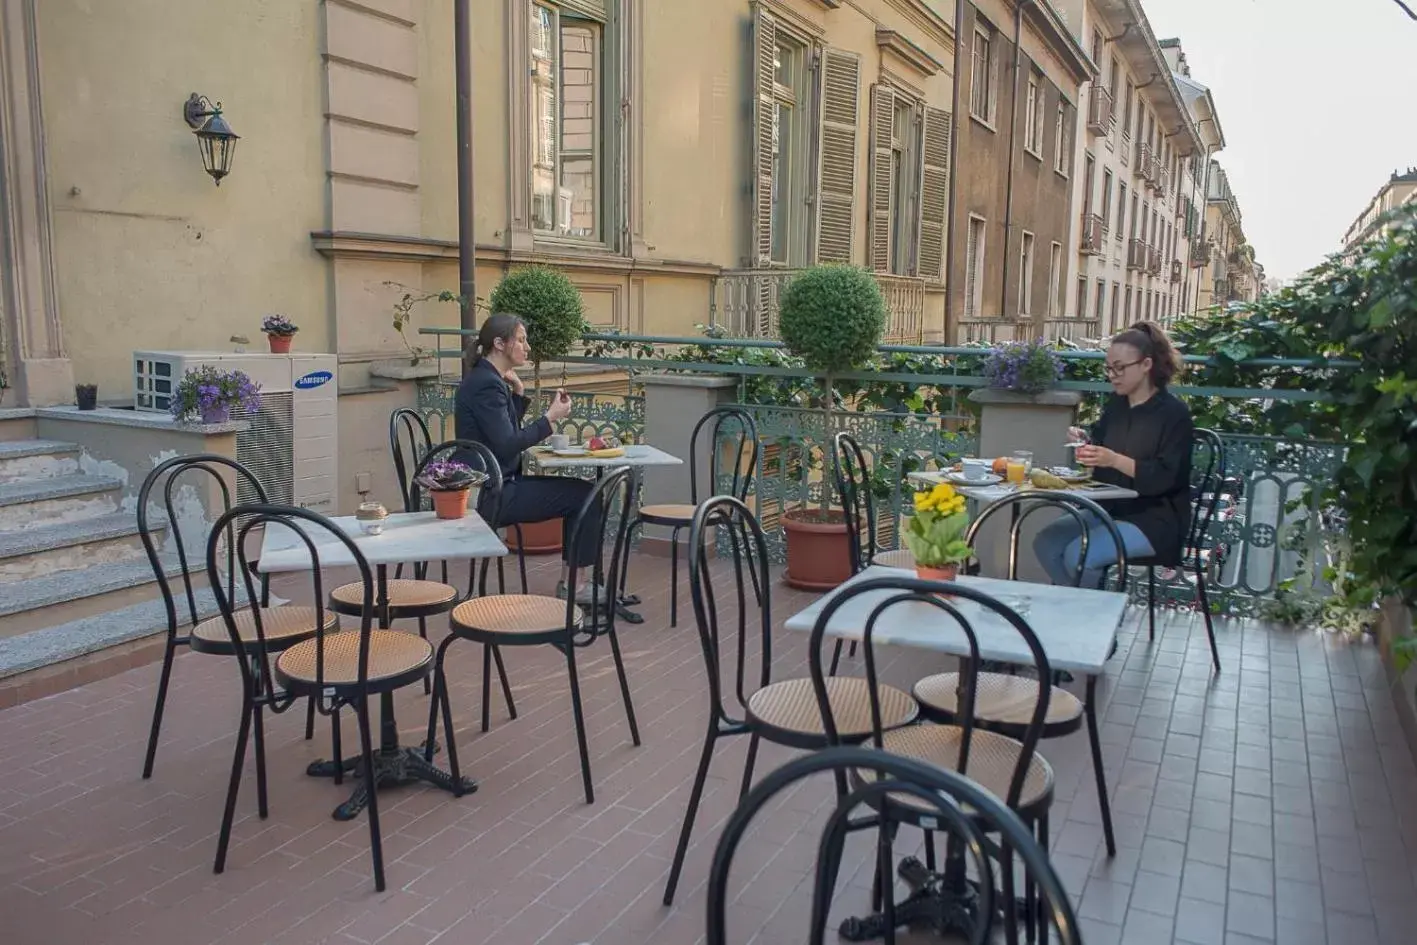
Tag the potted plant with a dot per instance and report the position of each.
(832, 317)
(280, 332)
(86, 396)
(1028, 367)
(451, 484)
(935, 533)
(212, 395)
(550, 306)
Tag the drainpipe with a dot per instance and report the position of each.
(467, 246)
(951, 228)
(1013, 148)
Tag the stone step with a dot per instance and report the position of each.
(68, 546)
(37, 459)
(37, 603)
(36, 502)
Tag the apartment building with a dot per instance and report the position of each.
(1194, 184)
(1133, 195)
(1230, 273)
(1400, 188)
(1022, 72)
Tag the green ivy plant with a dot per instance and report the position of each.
(403, 314)
(551, 307)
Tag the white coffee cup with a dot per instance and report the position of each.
(559, 441)
(975, 470)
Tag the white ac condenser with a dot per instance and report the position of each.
(292, 443)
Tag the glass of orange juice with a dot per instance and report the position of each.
(1018, 466)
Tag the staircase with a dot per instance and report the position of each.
(78, 598)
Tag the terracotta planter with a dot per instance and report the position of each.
(218, 414)
(280, 344)
(450, 503)
(946, 572)
(818, 553)
(542, 538)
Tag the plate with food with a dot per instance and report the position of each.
(604, 447)
(571, 452)
(1071, 474)
(983, 479)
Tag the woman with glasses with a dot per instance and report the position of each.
(1142, 442)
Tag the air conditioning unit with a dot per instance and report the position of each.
(292, 443)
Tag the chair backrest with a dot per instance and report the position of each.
(853, 485)
(311, 529)
(608, 510)
(1208, 477)
(477, 455)
(743, 614)
(203, 471)
(1083, 510)
(409, 441)
(965, 809)
(744, 451)
(949, 603)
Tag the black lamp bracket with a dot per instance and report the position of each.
(198, 108)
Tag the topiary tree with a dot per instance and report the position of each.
(549, 305)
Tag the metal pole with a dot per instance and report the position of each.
(951, 229)
(467, 245)
(1013, 145)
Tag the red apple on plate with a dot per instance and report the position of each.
(596, 443)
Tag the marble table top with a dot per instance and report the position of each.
(639, 454)
(986, 494)
(407, 536)
(1076, 626)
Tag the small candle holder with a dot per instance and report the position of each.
(371, 515)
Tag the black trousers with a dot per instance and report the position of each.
(529, 499)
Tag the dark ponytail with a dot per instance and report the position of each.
(1151, 342)
(501, 325)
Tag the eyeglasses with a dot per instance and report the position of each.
(1115, 370)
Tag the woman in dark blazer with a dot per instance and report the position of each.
(490, 406)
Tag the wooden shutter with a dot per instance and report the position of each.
(971, 269)
(934, 191)
(764, 117)
(836, 174)
(878, 246)
(594, 9)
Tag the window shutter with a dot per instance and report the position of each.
(971, 270)
(595, 9)
(836, 175)
(934, 191)
(764, 118)
(878, 248)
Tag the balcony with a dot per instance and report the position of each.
(1094, 235)
(1143, 167)
(1200, 253)
(1163, 180)
(1071, 329)
(1099, 110)
(1137, 257)
(745, 303)
(1153, 261)
(1176, 270)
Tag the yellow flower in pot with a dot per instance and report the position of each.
(935, 533)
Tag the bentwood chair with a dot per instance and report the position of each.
(963, 808)
(1207, 477)
(852, 476)
(179, 482)
(741, 446)
(752, 704)
(337, 669)
(535, 620)
(1009, 769)
(1003, 702)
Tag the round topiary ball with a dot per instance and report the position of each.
(549, 305)
(832, 317)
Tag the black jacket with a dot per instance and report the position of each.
(1157, 436)
(487, 411)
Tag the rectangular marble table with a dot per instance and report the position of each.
(988, 494)
(639, 454)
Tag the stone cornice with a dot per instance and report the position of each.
(909, 53)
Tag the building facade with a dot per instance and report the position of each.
(1231, 273)
(1021, 72)
(1400, 188)
(677, 159)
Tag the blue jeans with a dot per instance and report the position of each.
(1059, 546)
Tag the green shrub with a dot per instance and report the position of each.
(549, 305)
(832, 317)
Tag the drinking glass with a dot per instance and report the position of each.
(1019, 465)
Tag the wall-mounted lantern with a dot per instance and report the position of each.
(214, 136)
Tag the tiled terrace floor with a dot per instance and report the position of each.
(1276, 802)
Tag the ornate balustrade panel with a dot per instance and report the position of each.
(745, 303)
(594, 414)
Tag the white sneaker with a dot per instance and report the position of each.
(587, 594)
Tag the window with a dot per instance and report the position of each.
(1082, 297)
(1025, 279)
(905, 162)
(1101, 300)
(1127, 308)
(983, 96)
(1121, 208)
(1062, 160)
(1106, 199)
(1097, 47)
(568, 129)
(974, 268)
(1033, 115)
(1088, 166)
(1127, 111)
(789, 152)
(1055, 274)
(1135, 215)
(1116, 297)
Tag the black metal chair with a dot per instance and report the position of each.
(1004, 701)
(286, 626)
(963, 808)
(535, 620)
(781, 712)
(345, 668)
(1010, 769)
(1207, 477)
(679, 516)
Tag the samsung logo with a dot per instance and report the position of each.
(313, 379)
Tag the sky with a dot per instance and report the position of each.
(1311, 96)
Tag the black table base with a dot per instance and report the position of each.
(393, 767)
(945, 903)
